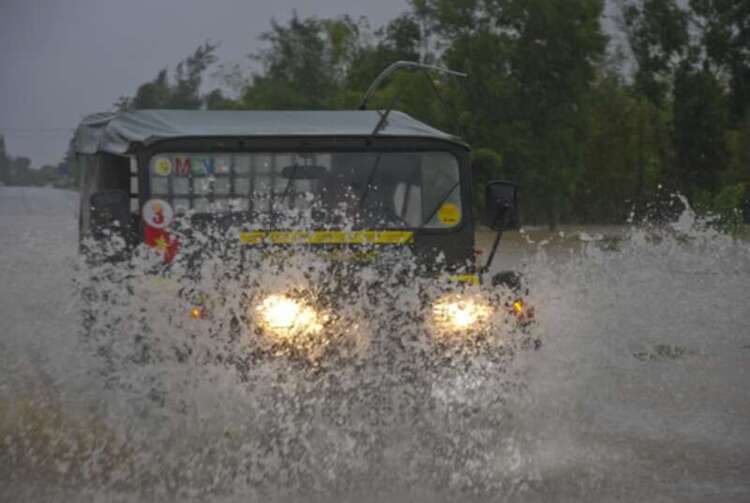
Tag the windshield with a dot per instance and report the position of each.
(359, 189)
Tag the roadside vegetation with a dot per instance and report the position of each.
(18, 171)
(600, 117)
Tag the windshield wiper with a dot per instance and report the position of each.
(370, 178)
(272, 215)
(289, 184)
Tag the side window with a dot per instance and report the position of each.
(114, 173)
(100, 172)
(89, 181)
(134, 186)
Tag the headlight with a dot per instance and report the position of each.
(286, 316)
(460, 313)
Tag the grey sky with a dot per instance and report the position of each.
(63, 59)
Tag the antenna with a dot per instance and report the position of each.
(402, 65)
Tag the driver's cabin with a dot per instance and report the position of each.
(380, 178)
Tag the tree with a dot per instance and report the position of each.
(4, 161)
(184, 93)
(586, 140)
(699, 129)
(486, 165)
(724, 32)
(399, 40)
(689, 52)
(621, 164)
(657, 32)
(154, 94)
(530, 65)
(215, 100)
(304, 65)
(19, 171)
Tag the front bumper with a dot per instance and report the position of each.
(312, 326)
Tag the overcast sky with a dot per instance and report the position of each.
(63, 59)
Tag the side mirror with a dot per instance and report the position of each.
(501, 200)
(109, 207)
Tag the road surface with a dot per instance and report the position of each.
(640, 393)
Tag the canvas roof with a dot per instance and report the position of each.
(115, 132)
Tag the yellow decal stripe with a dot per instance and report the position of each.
(327, 237)
(465, 278)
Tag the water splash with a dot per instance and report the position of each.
(645, 349)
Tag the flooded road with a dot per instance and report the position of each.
(640, 392)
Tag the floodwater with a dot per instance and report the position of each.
(640, 391)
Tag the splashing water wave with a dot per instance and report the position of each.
(645, 349)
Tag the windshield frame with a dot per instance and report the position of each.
(276, 144)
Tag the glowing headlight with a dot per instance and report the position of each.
(458, 313)
(287, 316)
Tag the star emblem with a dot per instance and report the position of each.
(161, 243)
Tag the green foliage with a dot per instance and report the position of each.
(486, 165)
(588, 141)
(692, 63)
(725, 38)
(183, 92)
(738, 149)
(657, 31)
(531, 64)
(621, 164)
(398, 40)
(699, 123)
(18, 171)
(304, 65)
(726, 205)
(215, 100)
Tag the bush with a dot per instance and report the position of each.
(727, 207)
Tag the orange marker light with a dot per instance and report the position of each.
(518, 307)
(196, 313)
